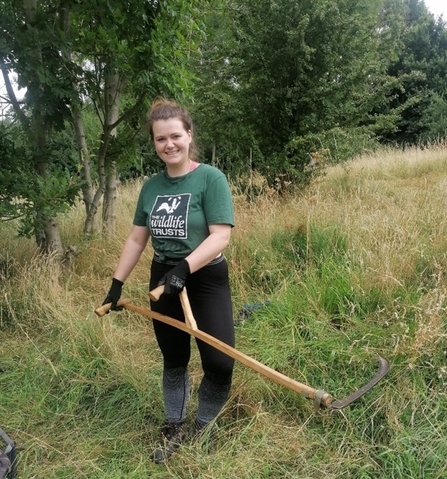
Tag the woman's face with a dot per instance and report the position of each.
(171, 142)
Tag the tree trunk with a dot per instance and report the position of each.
(213, 155)
(113, 94)
(94, 207)
(53, 242)
(91, 223)
(47, 232)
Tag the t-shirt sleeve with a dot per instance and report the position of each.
(218, 204)
(140, 217)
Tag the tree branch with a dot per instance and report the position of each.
(12, 96)
(128, 113)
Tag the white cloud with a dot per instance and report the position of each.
(437, 7)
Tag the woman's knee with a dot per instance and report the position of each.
(223, 376)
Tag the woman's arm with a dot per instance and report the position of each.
(214, 244)
(131, 252)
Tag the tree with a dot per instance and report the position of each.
(134, 56)
(32, 46)
(224, 137)
(422, 72)
(299, 74)
(106, 55)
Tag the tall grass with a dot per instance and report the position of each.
(351, 268)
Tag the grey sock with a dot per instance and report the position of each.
(175, 393)
(212, 398)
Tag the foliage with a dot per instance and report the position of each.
(15, 176)
(421, 66)
(282, 89)
(433, 120)
(66, 56)
(24, 193)
(290, 79)
(36, 51)
(216, 105)
(281, 83)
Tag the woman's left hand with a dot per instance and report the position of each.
(175, 279)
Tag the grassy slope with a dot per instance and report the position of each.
(354, 267)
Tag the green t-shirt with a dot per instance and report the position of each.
(179, 210)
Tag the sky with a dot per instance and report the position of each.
(437, 7)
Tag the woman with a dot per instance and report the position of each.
(187, 211)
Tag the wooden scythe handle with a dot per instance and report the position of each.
(102, 310)
(189, 316)
(156, 293)
(260, 368)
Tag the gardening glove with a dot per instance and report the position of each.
(175, 279)
(114, 294)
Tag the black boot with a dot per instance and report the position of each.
(172, 434)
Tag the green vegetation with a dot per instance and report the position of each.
(353, 267)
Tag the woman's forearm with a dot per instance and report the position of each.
(214, 244)
(131, 252)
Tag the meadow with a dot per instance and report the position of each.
(323, 281)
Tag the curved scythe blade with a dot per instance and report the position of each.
(384, 367)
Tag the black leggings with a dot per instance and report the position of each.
(210, 298)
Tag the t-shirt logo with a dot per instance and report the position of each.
(169, 216)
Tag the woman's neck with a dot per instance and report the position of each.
(179, 170)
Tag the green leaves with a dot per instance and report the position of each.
(114, 56)
(274, 72)
(16, 173)
(421, 69)
(27, 196)
(288, 79)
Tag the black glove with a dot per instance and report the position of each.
(175, 279)
(114, 294)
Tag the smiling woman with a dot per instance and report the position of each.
(172, 142)
(187, 211)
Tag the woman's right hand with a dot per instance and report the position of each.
(114, 295)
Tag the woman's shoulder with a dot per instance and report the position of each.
(210, 170)
(152, 179)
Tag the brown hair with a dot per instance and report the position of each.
(163, 109)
